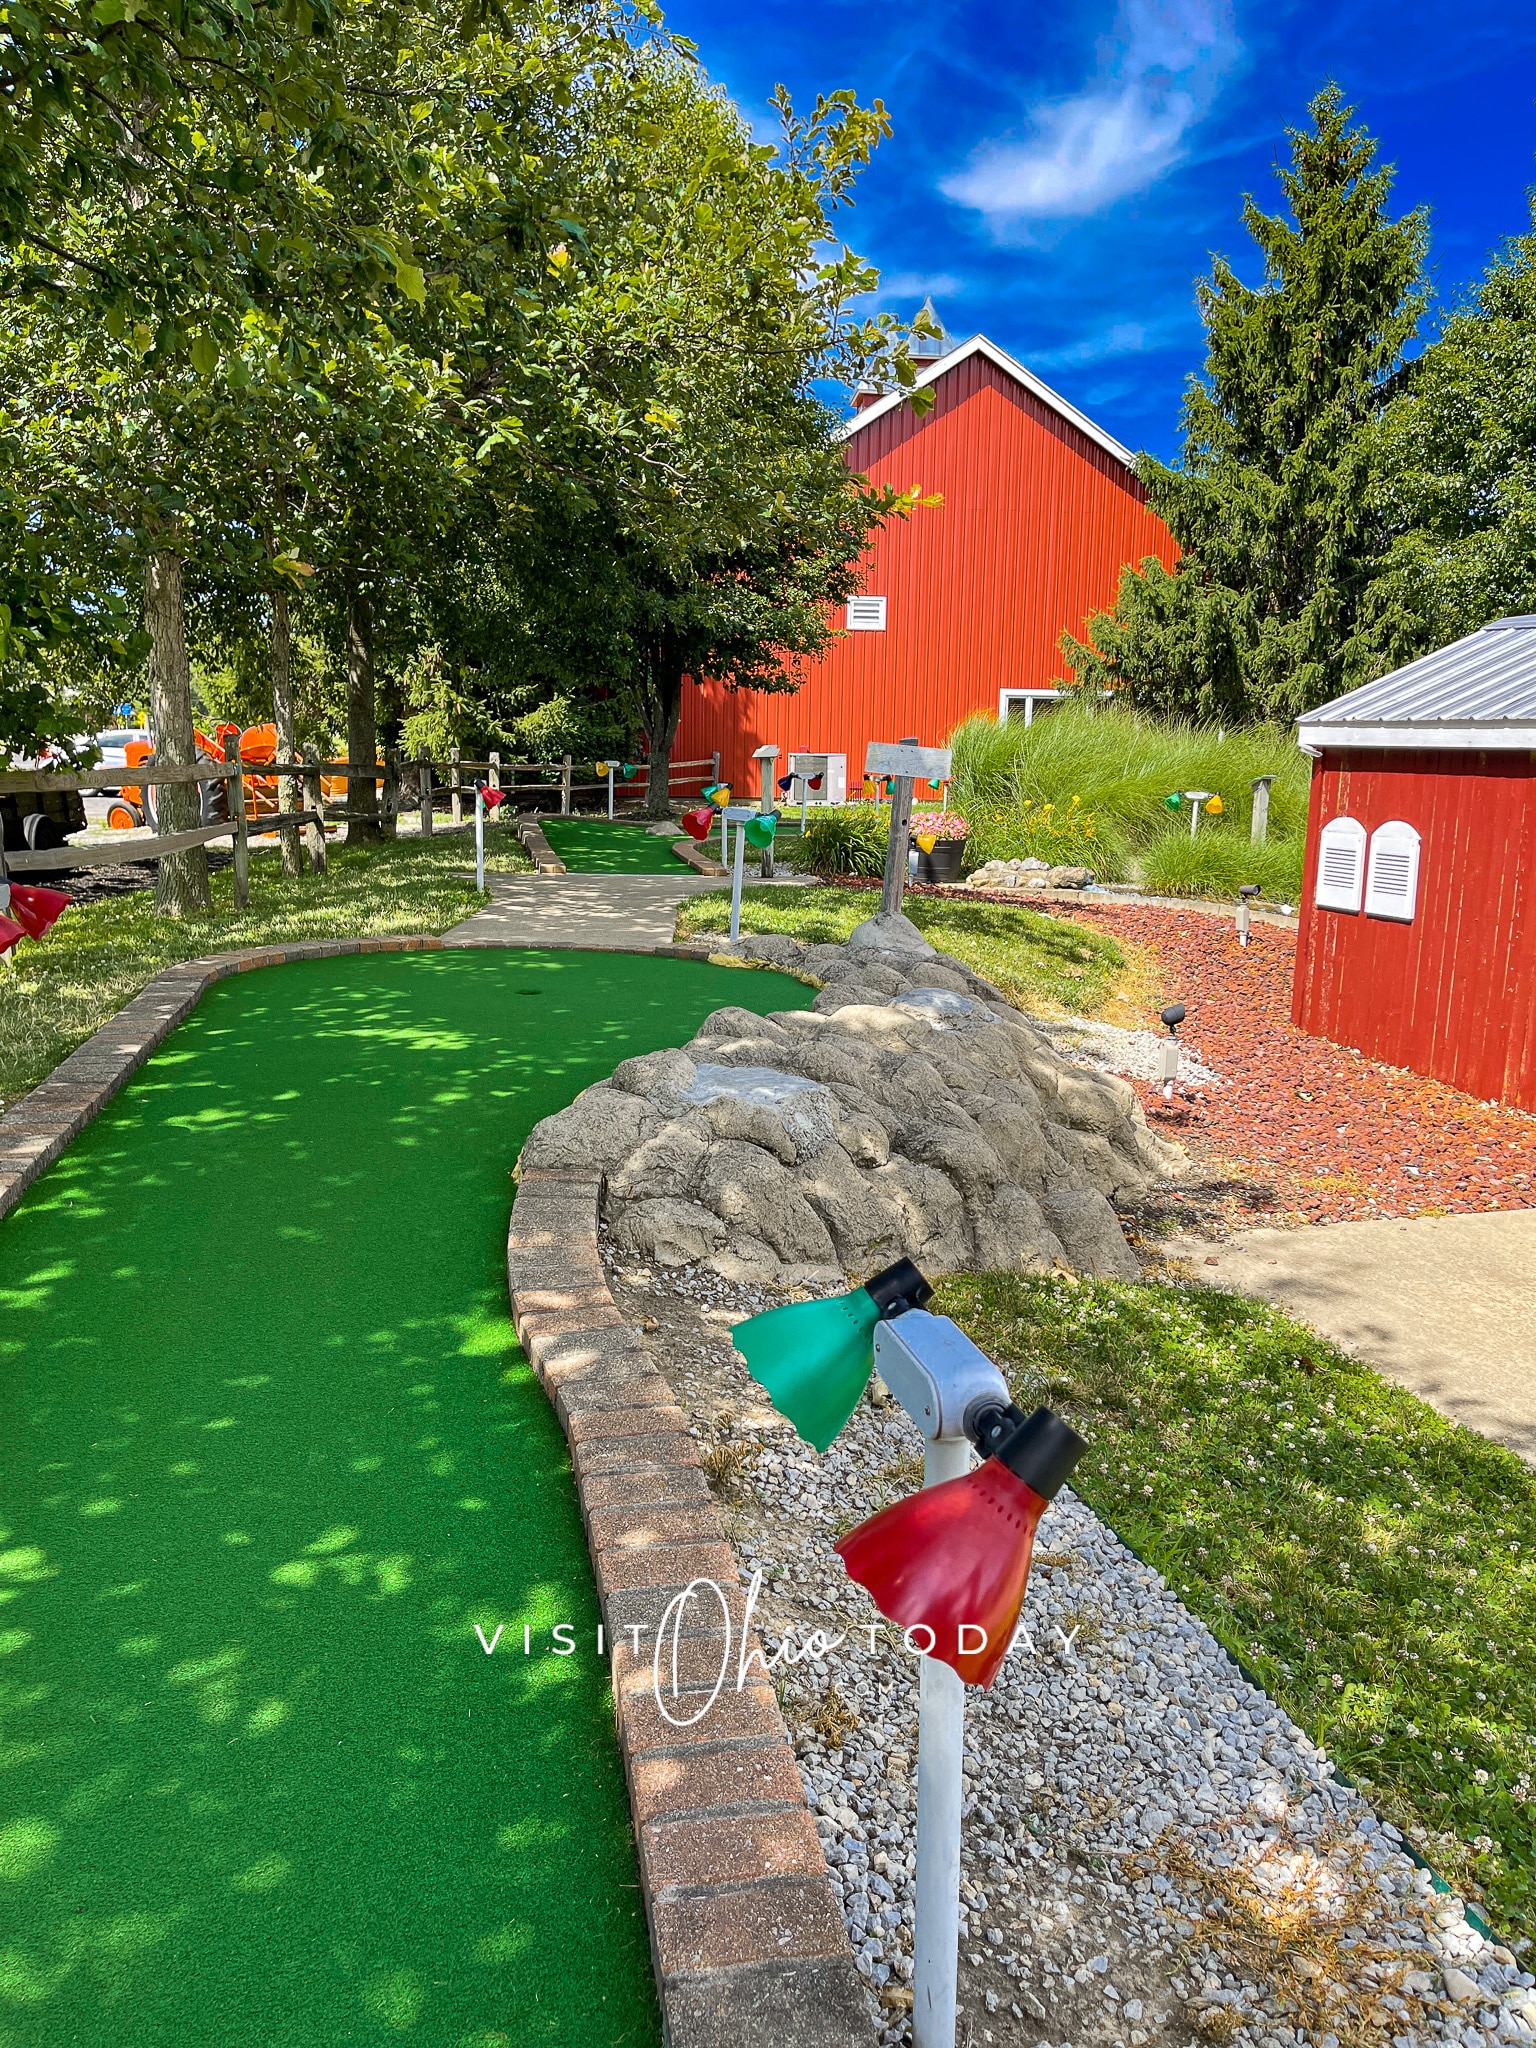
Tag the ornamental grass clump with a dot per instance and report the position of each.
(848, 839)
(1371, 1562)
(1114, 768)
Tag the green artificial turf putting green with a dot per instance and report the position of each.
(592, 846)
(270, 1453)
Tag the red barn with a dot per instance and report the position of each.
(965, 601)
(1417, 943)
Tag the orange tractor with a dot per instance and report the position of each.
(133, 805)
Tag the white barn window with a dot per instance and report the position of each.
(866, 614)
(1392, 876)
(1341, 864)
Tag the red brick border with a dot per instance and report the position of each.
(746, 1934)
(35, 1130)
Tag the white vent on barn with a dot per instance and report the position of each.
(1392, 878)
(866, 614)
(1341, 864)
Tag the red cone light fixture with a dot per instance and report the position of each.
(11, 935)
(36, 910)
(953, 1560)
(700, 823)
(814, 1358)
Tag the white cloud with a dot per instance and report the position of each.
(1158, 75)
(920, 284)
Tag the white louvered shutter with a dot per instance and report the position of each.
(866, 614)
(1392, 877)
(1341, 864)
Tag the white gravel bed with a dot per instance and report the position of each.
(1154, 1853)
(1112, 1049)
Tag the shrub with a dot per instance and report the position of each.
(1218, 861)
(849, 840)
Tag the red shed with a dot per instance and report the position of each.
(965, 601)
(1417, 942)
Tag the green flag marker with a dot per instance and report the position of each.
(814, 1358)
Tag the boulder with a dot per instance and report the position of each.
(887, 932)
(735, 1022)
(785, 1113)
(932, 1213)
(961, 1153)
(596, 1131)
(1010, 1234)
(666, 1165)
(868, 1228)
(746, 1261)
(1091, 1101)
(1070, 878)
(869, 974)
(1090, 1234)
(752, 1192)
(663, 1076)
(777, 947)
(673, 1233)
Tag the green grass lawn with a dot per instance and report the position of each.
(1040, 963)
(98, 955)
(270, 1454)
(1372, 1563)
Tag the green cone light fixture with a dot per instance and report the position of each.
(761, 829)
(1173, 801)
(814, 1358)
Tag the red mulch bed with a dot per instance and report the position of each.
(1336, 1133)
(1320, 1134)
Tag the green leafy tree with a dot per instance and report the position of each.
(1274, 505)
(686, 465)
(1458, 457)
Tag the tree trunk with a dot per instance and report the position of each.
(282, 717)
(362, 716)
(181, 883)
(662, 706)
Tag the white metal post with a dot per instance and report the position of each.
(940, 1797)
(479, 837)
(610, 792)
(741, 849)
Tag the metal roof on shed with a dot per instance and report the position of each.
(1480, 692)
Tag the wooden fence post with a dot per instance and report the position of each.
(455, 785)
(495, 775)
(314, 834)
(565, 785)
(424, 783)
(236, 787)
(389, 803)
(714, 773)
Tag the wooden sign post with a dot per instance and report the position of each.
(904, 764)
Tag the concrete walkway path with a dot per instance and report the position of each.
(1444, 1305)
(579, 910)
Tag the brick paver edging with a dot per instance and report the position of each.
(35, 1130)
(538, 849)
(747, 1938)
(693, 853)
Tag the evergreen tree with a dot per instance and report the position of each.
(1273, 506)
(1459, 470)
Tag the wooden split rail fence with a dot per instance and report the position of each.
(459, 778)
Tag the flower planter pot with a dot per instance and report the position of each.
(943, 864)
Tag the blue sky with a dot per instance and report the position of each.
(1058, 177)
